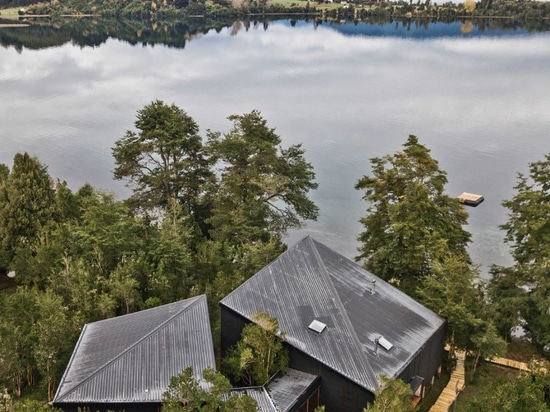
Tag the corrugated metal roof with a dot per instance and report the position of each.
(287, 389)
(131, 358)
(259, 394)
(311, 281)
(281, 393)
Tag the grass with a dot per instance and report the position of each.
(478, 387)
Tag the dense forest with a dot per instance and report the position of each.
(208, 212)
(518, 11)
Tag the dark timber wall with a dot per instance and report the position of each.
(428, 361)
(338, 393)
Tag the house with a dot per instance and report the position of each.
(125, 363)
(342, 324)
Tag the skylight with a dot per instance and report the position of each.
(386, 344)
(317, 326)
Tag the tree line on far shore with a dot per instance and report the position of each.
(352, 10)
(206, 213)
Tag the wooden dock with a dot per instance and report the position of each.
(470, 199)
(456, 384)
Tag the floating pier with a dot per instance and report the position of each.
(470, 199)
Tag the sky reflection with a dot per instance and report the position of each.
(481, 104)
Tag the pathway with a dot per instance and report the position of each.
(457, 380)
(522, 366)
(453, 388)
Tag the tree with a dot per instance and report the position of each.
(528, 234)
(410, 223)
(523, 393)
(487, 343)
(263, 188)
(164, 160)
(27, 201)
(394, 395)
(172, 275)
(53, 337)
(186, 394)
(259, 354)
(19, 313)
(450, 292)
(107, 231)
(507, 299)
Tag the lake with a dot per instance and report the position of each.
(478, 98)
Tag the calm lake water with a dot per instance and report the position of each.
(480, 101)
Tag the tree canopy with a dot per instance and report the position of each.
(164, 160)
(523, 291)
(187, 394)
(259, 354)
(262, 188)
(410, 222)
(394, 395)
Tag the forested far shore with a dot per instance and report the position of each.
(353, 10)
(45, 32)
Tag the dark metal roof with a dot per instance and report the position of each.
(311, 281)
(131, 358)
(260, 395)
(281, 393)
(288, 388)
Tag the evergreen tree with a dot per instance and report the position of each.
(528, 234)
(164, 160)
(28, 209)
(262, 190)
(410, 223)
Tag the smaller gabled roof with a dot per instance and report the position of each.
(131, 358)
(289, 388)
(282, 393)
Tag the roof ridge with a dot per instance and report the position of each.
(196, 299)
(340, 305)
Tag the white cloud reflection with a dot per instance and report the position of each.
(481, 104)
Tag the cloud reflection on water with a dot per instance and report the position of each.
(481, 105)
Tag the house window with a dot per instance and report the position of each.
(311, 403)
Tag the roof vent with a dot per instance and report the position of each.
(317, 326)
(386, 344)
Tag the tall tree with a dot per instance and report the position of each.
(263, 187)
(410, 223)
(164, 159)
(450, 291)
(27, 202)
(107, 231)
(528, 234)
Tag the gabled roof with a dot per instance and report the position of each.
(312, 282)
(131, 358)
(289, 388)
(282, 393)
